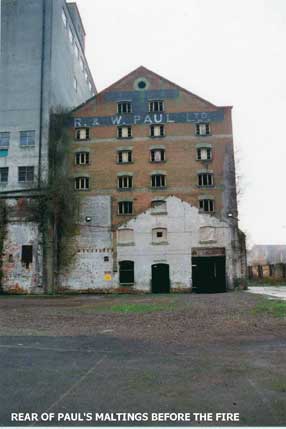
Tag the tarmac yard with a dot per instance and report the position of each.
(74, 356)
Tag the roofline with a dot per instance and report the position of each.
(156, 74)
(74, 4)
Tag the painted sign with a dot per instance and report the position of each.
(154, 118)
(107, 277)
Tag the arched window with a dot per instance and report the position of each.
(126, 272)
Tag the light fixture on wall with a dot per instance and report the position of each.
(88, 219)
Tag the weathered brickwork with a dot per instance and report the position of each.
(180, 144)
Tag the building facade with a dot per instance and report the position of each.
(164, 157)
(43, 68)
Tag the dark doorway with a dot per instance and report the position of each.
(208, 274)
(126, 272)
(160, 278)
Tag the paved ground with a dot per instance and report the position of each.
(187, 353)
(278, 292)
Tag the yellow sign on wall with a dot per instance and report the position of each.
(107, 277)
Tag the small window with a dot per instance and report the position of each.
(158, 181)
(124, 156)
(106, 258)
(126, 272)
(125, 182)
(157, 130)
(157, 155)
(4, 140)
(27, 138)
(76, 51)
(125, 207)
(159, 207)
(75, 84)
(82, 133)
(82, 158)
(124, 132)
(27, 255)
(82, 183)
(124, 107)
(203, 129)
(156, 106)
(204, 154)
(207, 205)
(64, 18)
(25, 174)
(159, 235)
(4, 172)
(205, 179)
(125, 236)
(70, 35)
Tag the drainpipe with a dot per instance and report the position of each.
(42, 93)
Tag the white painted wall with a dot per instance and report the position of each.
(186, 230)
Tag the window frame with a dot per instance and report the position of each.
(25, 137)
(210, 205)
(26, 172)
(124, 212)
(119, 132)
(4, 139)
(206, 177)
(119, 156)
(4, 172)
(120, 109)
(78, 184)
(82, 154)
(77, 133)
(152, 131)
(209, 152)
(152, 155)
(198, 129)
(161, 107)
(159, 240)
(153, 180)
(121, 179)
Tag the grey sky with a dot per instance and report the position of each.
(231, 52)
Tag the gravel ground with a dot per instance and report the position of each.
(166, 353)
(180, 318)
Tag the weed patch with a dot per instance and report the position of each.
(272, 307)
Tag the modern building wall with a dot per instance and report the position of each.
(38, 69)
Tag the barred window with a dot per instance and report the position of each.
(158, 181)
(25, 174)
(205, 179)
(82, 183)
(207, 205)
(125, 182)
(82, 158)
(156, 106)
(124, 107)
(125, 207)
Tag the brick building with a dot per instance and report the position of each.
(159, 151)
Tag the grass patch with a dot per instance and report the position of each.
(272, 307)
(140, 307)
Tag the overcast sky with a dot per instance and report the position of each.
(231, 52)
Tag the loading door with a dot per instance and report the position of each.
(160, 278)
(208, 274)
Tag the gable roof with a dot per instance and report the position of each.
(144, 70)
